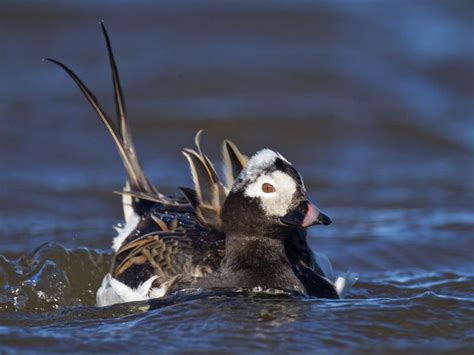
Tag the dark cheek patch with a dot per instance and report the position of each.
(298, 196)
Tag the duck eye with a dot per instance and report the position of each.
(267, 188)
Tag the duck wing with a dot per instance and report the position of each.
(209, 193)
(171, 247)
(316, 285)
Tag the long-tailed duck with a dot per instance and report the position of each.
(249, 232)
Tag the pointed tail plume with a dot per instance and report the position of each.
(119, 130)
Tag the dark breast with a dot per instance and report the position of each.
(305, 268)
(174, 245)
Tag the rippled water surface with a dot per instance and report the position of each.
(371, 102)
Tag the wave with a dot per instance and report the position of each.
(53, 277)
(47, 298)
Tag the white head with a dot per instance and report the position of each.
(270, 191)
(275, 189)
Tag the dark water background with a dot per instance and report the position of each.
(372, 101)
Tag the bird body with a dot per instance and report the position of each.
(246, 233)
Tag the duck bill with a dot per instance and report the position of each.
(315, 216)
(305, 215)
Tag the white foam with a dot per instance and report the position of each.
(325, 265)
(345, 282)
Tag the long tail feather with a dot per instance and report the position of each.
(118, 93)
(120, 132)
(109, 124)
(144, 184)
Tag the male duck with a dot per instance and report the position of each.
(247, 233)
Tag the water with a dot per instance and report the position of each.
(371, 102)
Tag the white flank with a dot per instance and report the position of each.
(158, 292)
(113, 291)
(124, 232)
(127, 203)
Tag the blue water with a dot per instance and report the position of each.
(372, 102)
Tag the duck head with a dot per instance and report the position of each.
(267, 196)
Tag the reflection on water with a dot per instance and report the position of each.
(372, 102)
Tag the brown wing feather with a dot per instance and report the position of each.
(167, 246)
(221, 194)
(207, 194)
(204, 183)
(191, 196)
(165, 253)
(210, 194)
(205, 159)
(234, 162)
